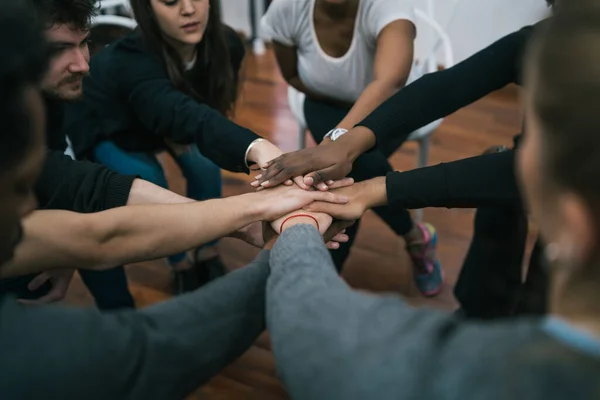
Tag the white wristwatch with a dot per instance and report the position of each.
(334, 134)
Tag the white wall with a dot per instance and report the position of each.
(476, 23)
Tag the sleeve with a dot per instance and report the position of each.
(380, 13)
(347, 344)
(168, 112)
(161, 352)
(487, 180)
(279, 22)
(80, 186)
(439, 94)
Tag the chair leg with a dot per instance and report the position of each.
(422, 162)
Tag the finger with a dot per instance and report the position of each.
(340, 238)
(51, 297)
(289, 182)
(325, 208)
(333, 245)
(322, 186)
(330, 197)
(341, 183)
(255, 183)
(38, 281)
(323, 175)
(299, 180)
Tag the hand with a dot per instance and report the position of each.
(324, 220)
(251, 234)
(264, 151)
(60, 280)
(326, 162)
(282, 200)
(361, 197)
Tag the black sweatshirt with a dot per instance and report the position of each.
(129, 99)
(66, 184)
(79, 186)
(478, 181)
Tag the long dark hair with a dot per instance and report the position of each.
(212, 80)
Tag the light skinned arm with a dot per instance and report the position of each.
(62, 239)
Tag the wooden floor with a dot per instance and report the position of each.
(377, 262)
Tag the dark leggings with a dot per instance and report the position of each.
(321, 118)
(490, 282)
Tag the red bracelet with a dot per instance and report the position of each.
(296, 216)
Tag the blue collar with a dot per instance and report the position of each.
(571, 336)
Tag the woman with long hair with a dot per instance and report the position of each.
(170, 85)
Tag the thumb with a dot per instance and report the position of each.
(38, 281)
(322, 207)
(323, 175)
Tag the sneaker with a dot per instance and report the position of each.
(428, 274)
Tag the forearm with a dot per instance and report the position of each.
(487, 180)
(62, 239)
(164, 351)
(373, 95)
(320, 327)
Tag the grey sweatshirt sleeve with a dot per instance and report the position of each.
(331, 342)
(161, 352)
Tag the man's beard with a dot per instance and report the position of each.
(56, 92)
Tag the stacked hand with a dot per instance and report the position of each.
(321, 164)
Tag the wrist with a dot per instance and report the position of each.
(358, 141)
(254, 208)
(376, 192)
(253, 151)
(298, 220)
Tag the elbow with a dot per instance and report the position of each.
(94, 253)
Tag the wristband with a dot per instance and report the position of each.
(250, 148)
(296, 216)
(335, 134)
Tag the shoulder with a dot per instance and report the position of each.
(377, 14)
(286, 15)
(127, 57)
(374, 9)
(288, 9)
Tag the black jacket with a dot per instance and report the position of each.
(129, 99)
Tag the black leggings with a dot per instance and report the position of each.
(321, 118)
(490, 282)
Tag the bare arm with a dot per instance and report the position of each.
(393, 61)
(63, 239)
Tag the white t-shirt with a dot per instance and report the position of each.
(291, 23)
